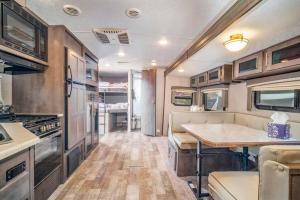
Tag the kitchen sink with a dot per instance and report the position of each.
(4, 137)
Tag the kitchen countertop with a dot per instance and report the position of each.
(21, 139)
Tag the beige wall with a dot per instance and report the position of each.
(160, 84)
(173, 81)
(238, 103)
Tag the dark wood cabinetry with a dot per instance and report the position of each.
(48, 92)
(248, 66)
(202, 79)
(283, 55)
(222, 74)
(219, 75)
(280, 58)
(16, 174)
(193, 81)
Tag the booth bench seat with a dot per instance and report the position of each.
(182, 146)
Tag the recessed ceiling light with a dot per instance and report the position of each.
(153, 61)
(163, 42)
(180, 70)
(72, 10)
(133, 13)
(154, 64)
(236, 42)
(121, 54)
(107, 65)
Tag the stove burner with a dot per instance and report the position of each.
(40, 125)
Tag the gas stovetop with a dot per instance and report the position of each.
(40, 125)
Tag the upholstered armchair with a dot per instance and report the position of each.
(278, 177)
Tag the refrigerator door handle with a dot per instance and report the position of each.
(70, 81)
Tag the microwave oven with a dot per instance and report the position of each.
(21, 31)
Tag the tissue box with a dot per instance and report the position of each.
(281, 131)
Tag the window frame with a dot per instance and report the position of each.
(175, 104)
(204, 102)
(295, 109)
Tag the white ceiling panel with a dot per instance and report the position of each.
(179, 21)
(269, 23)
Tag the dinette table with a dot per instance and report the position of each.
(228, 136)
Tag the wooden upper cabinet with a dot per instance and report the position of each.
(202, 79)
(222, 74)
(283, 55)
(248, 66)
(193, 81)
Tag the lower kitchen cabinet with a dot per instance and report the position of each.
(16, 177)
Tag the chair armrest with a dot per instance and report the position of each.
(279, 181)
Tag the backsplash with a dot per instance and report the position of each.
(6, 88)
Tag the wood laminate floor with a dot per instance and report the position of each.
(125, 166)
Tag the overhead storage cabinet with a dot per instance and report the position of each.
(222, 74)
(283, 55)
(249, 66)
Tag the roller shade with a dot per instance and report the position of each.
(213, 90)
(286, 85)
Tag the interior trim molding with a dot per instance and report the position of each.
(240, 8)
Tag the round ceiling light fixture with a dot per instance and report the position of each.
(163, 42)
(72, 10)
(121, 54)
(153, 63)
(133, 13)
(236, 42)
(180, 70)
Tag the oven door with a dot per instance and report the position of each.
(18, 32)
(48, 156)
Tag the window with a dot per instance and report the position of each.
(183, 101)
(213, 101)
(280, 100)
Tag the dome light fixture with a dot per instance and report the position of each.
(180, 70)
(236, 42)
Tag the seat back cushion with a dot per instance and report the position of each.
(259, 122)
(179, 118)
(285, 154)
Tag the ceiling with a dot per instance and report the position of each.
(269, 23)
(176, 20)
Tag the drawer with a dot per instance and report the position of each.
(16, 166)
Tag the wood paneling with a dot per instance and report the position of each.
(234, 13)
(43, 92)
(148, 94)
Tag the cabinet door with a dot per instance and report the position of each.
(72, 118)
(81, 113)
(78, 67)
(73, 65)
(283, 55)
(248, 66)
(193, 81)
(81, 70)
(202, 79)
(214, 75)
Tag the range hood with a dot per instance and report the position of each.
(12, 64)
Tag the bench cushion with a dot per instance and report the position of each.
(185, 141)
(233, 185)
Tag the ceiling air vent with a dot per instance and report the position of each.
(71, 10)
(133, 12)
(112, 35)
